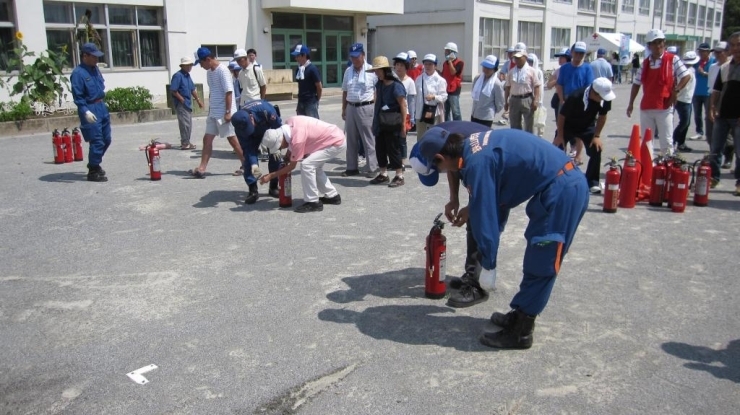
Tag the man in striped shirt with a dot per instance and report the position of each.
(358, 97)
(662, 81)
(221, 106)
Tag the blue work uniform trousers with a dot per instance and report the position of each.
(554, 215)
(251, 148)
(96, 134)
(683, 109)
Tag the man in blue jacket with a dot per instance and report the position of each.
(88, 91)
(250, 124)
(501, 170)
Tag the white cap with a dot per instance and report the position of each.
(240, 53)
(273, 139)
(186, 61)
(520, 47)
(654, 34)
(489, 62)
(451, 46)
(531, 57)
(430, 57)
(672, 49)
(603, 87)
(720, 46)
(690, 58)
(580, 47)
(411, 54)
(403, 56)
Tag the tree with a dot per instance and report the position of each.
(730, 18)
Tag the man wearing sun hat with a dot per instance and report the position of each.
(503, 169)
(522, 93)
(182, 89)
(583, 117)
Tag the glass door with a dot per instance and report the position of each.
(283, 42)
(336, 56)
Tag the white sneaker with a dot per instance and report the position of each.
(361, 162)
(595, 190)
(697, 136)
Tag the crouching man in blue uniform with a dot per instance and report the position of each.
(250, 124)
(501, 170)
(88, 91)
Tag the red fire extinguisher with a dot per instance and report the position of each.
(436, 270)
(152, 158)
(680, 192)
(628, 185)
(611, 186)
(670, 165)
(77, 144)
(657, 186)
(285, 197)
(58, 143)
(702, 179)
(68, 152)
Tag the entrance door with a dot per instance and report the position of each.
(337, 54)
(283, 42)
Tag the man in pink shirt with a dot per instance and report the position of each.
(311, 142)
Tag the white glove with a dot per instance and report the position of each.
(487, 279)
(90, 117)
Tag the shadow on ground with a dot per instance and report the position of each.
(723, 364)
(214, 197)
(414, 325)
(405, 283)
(69, 177)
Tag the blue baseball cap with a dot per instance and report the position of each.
(233, 66)
(563, 52)
(91, 49)
(300, 50)
(423, 153)
(201, 54)
(356, 49)
(601, 52)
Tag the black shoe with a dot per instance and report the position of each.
(413, 129)
(396, 182)
(96, 174)
(274, 192)
(348, 173)
(310, 207)
(336, 200)
(252, 196)
(683, 148)
(380, 179)
(457, 282)
(518, 335)
(468, 296)
(503, 320)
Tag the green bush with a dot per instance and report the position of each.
(129, 99)
(15, 111)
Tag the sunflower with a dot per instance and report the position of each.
(19, 36)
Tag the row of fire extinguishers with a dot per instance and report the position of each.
(672, 179)
(67, 146)
(153, 159)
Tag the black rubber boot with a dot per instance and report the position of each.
(253, 195)
(469, 295)
(274, 192)
(96, 174)
(457, 282)
(503, 320)
(517, 336)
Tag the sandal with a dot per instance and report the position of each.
(190, 146)
(239, 172)
(197, 174)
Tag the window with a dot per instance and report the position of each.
(130, 36)
(534, 1)
(607, 30)
(564, 1)
(559, 38)
(670, 10)
(628, 6)
(583, 33)
(589, 5)
(645, 7)
(531, 34)
(658, 6)
(701, 19)
(718, 18)
(222, 51)
(609, 6)
(493, 37)
(692, 14)
(682, 7)
(710, 16)
(641, 39)
(7, 34)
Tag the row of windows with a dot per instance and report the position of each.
(681, 12)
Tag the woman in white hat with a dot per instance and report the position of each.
(431, 92)
(488, 93)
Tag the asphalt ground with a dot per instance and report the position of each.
(257, 309)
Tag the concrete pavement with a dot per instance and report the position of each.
(256, 309)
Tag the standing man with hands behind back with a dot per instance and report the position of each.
(182, 89)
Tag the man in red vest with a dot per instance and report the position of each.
(452, 70)
(663, 75)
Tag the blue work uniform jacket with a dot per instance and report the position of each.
(253, 119)
(88, 89)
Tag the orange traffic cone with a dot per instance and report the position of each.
(634, 146)
(646, 155)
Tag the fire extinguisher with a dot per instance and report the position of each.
(630, 181)
(152, 158)
(285, 197)
(77, 144)
(680, 192)
(670, 165)
(611, 186)
(58, 143)
(657, 187)
(701, 181)
(434, 284)
(68, 152)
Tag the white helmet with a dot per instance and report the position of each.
(654, 34)
(451, 46)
